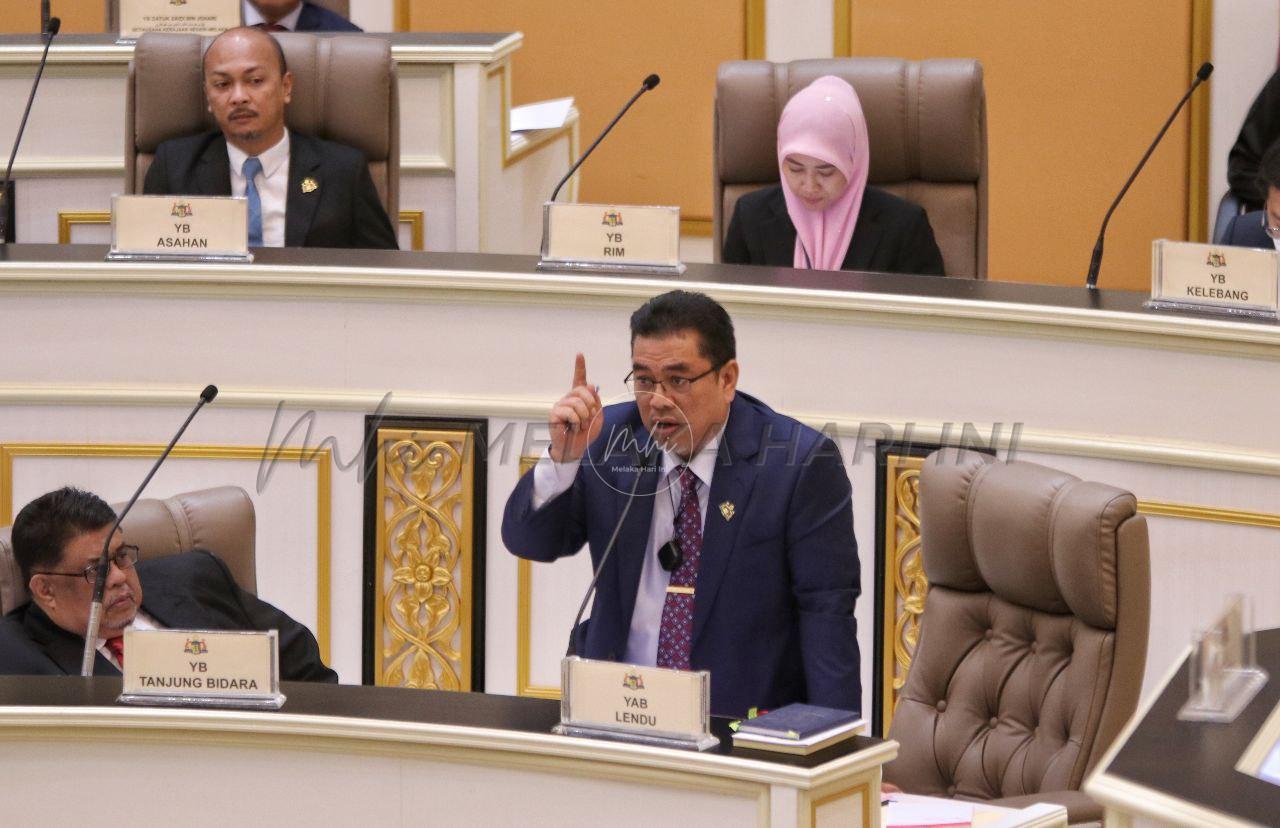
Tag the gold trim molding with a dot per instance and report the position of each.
(417, 221)
(1212, 514)
(321, 457)
(754, 45)
(695, 226)
(68, 219)
(524, 619)
(905, 584)
(425, 510)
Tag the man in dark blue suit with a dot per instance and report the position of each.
(1251, 229)
(294, 16)
(737, 553)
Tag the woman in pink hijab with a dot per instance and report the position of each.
(823, 215)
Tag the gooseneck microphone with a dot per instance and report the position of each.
(649, 83)
(1202, 74)
(641, 465)
(48, 33)
(104, 560)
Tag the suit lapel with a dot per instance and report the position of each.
(63, 648)
(212, 173)
(779, 233)
(300, 207)
(731, 489)
(866, 238)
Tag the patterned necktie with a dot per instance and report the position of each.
(116, 646)
(675, 636)
(252, 166)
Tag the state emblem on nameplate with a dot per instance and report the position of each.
(181, 209)
(612, 218)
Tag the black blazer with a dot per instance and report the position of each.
(319, 19)
(342, 211)
(892, 235)
(193, 590)
(1246, 231)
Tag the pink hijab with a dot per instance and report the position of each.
(824, 120)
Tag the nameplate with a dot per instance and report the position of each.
(179, 228)
(200, 17)
(1214, 278)
(606, 238)
(627, 702)
(216, 668)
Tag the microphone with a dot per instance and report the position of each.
(641, 464)
(648, 83)
(104, 560)
(1202, 75)
(48, 31)
(669, 556)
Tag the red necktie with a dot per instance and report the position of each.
(675, 636)
(116, 646)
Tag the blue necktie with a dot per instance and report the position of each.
(252, 167)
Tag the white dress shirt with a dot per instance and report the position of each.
(141, 621)
(272, 183)
(551, 479)
(252, 17)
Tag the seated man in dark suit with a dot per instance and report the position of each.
(1260, 228)
(57, 539)
(293, 16)
(737, 552)
(302, 192)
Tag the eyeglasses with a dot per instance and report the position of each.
(124, 558)
(1273, 232)
(676, 386)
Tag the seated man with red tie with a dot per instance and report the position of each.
(733, 549)
(294, 16)
(302, 191)
(57, 541)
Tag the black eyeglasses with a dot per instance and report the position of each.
(672, 385)
(124, 558)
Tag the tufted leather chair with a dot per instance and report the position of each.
(220, 520)
(344, 90)
(1033, 639)
(926, 123)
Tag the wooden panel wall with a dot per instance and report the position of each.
(598, 52)
(78, 16)
(1075, 93)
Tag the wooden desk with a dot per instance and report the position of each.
(1169, 772)
(340, 755)
(101, 361)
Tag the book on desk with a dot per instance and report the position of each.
(798, 728)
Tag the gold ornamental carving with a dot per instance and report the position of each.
(425, 555)
(905, 584)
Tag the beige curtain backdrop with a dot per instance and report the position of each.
(598, 52)
(1075, 93)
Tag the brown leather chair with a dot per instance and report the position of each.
(1033, 639)
(927, 126)
(344, 90)
(220, 520)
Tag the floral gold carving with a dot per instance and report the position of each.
(424, 542)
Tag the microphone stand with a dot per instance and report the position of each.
(48, 33)
(104, 560)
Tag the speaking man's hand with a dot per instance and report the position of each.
(576, 419)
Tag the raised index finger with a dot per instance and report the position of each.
(580, 371)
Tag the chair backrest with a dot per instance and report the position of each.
(344, 90)
(927, 127)
(1033, 638)
(220, 520)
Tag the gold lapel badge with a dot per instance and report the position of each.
(726, 510)
(310, 185)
